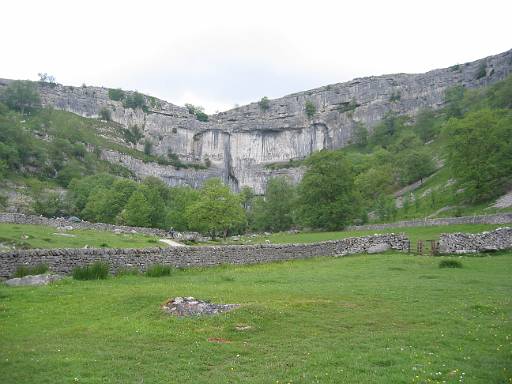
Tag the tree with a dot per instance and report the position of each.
(453, 99)
(479, 152)
(310, 108)
(425, 126)
(275, 212)
(137, 212)
(156, 203)
(327, 197)
(413, 165)
(179, 200)
(217, 211)
(375, 182)
(21, 96)
(46, 78)
(360, 135)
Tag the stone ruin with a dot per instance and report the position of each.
(189, 306)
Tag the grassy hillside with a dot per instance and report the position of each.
(364, 319)
(39, 236)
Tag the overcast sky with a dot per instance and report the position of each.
(220, 53)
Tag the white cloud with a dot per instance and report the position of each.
(218, 53)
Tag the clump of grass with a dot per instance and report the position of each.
(158, 270)
(450, 264)
(227, 278)
(127, 271)
(94, 271)
(152, 241)
(104, 245)
(24, 270)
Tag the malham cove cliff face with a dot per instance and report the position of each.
(240, 144)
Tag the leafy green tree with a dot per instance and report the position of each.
(137, 212)
(21, 96)
(413, 165)
(479, 152)
(327, 197)
(80, 189)
(275, 213)
(375, 182)
(453, 99)
(360, 135)
(500, 94)
(157, 211)
(386, 131)
(119, 194)
(426, 127)
(179, 200)
(97, 205)
(217, 211)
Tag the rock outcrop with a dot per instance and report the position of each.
(239, 144)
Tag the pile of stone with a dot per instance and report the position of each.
(189, 306)
(491, 241)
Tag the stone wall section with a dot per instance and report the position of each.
(500, 218)
(460, 243)
(64, 260)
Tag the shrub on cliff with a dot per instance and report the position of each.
(310, 109)
(264, 103)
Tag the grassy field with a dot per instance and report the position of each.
(39, 236)
(414, 234)
(389, 318)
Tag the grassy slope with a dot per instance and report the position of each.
(414, 234)
(46, 237)
(363, 319)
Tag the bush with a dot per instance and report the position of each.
(158, 270)
(95, 271)
(481, 72)
(201, 116)
(450, 264)
(127, 271)
(264, 103)
(116, 94)
(24, 270)
(135, 100)
(148, 146)
(310, 109)
(105, 114)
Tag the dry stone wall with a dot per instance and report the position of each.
(64, 260)
(491, 241)
(500, 218)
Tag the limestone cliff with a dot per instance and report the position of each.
(239, 143)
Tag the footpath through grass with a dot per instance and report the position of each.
(40, 236)
(391, 318)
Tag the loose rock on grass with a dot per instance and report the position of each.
(189, 306)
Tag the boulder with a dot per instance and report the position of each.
(378, 248)
(44, 279)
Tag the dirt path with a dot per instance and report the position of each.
(172, 243)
